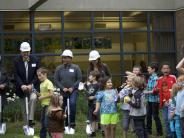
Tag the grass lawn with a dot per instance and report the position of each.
(14, 130)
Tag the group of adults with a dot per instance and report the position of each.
(67, 77)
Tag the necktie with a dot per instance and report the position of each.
(26, 67)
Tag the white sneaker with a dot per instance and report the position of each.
(88, 129)
(29, 131)
(66, 130)
(71, 131)
(3, 128)
(26, 130)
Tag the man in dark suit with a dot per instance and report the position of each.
(25, 67)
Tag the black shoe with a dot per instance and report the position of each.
(168, 137)
(160, 134)
(149, 132)
(103, 134)
(99, 126)
(31, 123)
(93, 134)
(72, 125)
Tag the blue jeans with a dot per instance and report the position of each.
(44, 122)
(166, 120)
(140, 128)
(73, 101)
(175, 126)
(125, 119)
(182, 126)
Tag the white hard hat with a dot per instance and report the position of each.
(24, 47)
(94, 55)
(67, 53)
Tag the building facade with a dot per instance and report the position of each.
(125, 32)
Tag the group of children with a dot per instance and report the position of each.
(140, 100)
(106, 99)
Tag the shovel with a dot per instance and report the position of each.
(29, 131)
(69, 130)
(2, 125)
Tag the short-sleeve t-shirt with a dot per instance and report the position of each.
(45, 86)
(91, 90)
(108, 101)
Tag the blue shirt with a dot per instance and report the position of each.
(172, 105)
(152, 81)
(179, 102)
(108, 101)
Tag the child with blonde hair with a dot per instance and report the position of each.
(179, 121)
(125, 107)
(56, 116)
(173, 118)
(137, 103)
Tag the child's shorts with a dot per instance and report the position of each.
(107, 119)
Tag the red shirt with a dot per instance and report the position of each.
(164, 85)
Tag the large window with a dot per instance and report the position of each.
(124, 39)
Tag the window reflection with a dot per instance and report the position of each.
(107, 42)
(12, 43)
(162, 20)
(135, 42)
(16, 21)
(165, 57)
(113, 61)
(48, 21)
(77, 21)
(106, 20)
(78, 41)
(135, 20)
(48, 43)
(8, 65)
(162, 41)
(131, 60)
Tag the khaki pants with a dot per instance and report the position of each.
(32, 98)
